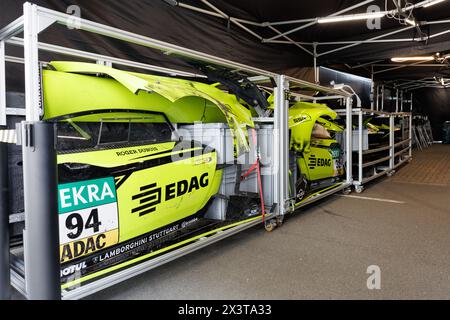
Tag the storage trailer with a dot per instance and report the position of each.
(89, 166)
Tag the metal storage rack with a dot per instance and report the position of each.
(41, 246)
(392, 155)
(344, 186)
(421, 132)
(403, 145)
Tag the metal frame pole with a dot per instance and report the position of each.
(377, 97)
(360, 146)
(372, 92)
(2, 84)
(41, 235)
(410, 126)
(391, 142)
(401, 101)
(396, 100)
(349, 137)
(316, 69)
(5, 278)
(31, 56)
(281, 148)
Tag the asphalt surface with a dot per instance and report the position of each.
(322, 252)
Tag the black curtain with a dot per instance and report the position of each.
(434, 102)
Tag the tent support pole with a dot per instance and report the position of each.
(373, 96)
(410, 126)
(316, 69)
(5, 282)
(41, 236)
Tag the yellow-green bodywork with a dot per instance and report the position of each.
(73, 87)
(302, 117)
(120, 200)
(167, 204)
(319, 164)
(317, 160)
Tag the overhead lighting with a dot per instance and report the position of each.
(352, 17)
(411, 22)
(418, 58)
(432, 3)
(440, 80)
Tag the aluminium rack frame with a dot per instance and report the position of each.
(39, 161)
(395, 158)
(347, 112)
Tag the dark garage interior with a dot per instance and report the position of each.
(124, 127)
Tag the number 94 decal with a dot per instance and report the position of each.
(88, 217)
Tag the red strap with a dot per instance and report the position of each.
(256, 166)
(261, 192)
(252, 168)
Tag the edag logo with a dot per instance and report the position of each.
(314, 162)
(301, 118)
(151, 195)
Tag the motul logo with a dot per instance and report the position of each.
(72, 269)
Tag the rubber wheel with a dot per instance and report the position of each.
(279, 221)
(270, 225)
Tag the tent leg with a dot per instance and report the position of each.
(41, 236)
(5, 280)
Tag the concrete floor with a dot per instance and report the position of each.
(323, 252)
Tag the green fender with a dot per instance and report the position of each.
(73, 87)
(302, 117)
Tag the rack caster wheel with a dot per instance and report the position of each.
(359, 189)
(347, 191)
(279, 221)
(390, 173)
(270, 225)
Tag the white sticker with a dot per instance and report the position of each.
(87, 222)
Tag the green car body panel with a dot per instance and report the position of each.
(319, 157)
(123, 200)
(302, 117)
(181, 100)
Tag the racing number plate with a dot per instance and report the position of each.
(88, 217)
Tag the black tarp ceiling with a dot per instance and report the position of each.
(174, 24)
(282, 10)
(156, 18)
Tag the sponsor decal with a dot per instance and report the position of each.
(151, 194)
(88, 217)
(201, 161)
(314, 162)
(136, 151)
(67, 271)
(301, 118)
(123, 251)
(335, 153)
(79, 248)
(86, 194)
